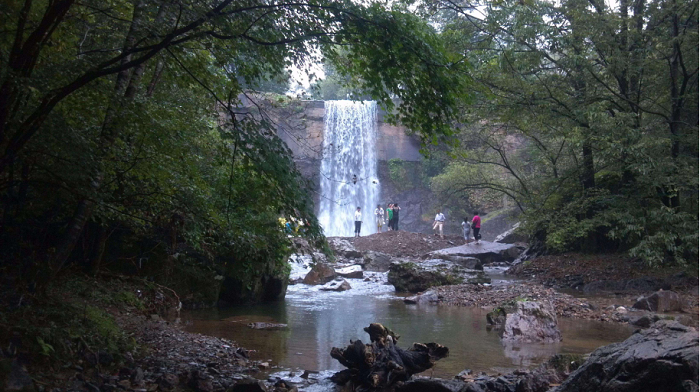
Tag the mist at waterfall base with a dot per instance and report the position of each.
(349, 152)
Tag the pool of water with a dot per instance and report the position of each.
(318, 321)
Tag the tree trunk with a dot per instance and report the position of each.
(588, 173)
(99, 250)
(108, 136)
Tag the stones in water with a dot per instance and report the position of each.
(381, 365)
(531, 322)
(268, 326)
(539, 379)
(661, 358)
(660, 301)
(334, 286)
(320, 274)
(429, 296)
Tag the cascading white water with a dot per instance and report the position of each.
(349, 151)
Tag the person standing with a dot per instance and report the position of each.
(358, 222)
(390, 217)
(379, 216)
(466, 229)
(396, 209)
(476, 225)
(439, 222)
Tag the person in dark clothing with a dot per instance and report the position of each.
(358, 222)
(396, 209)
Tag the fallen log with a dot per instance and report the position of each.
(381, 365)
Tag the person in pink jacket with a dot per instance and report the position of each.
(476, 226)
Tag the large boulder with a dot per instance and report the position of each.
(487, 252)
(344, 248)
(376, 261)
(334, 286)
(408, 277)
(532, 322)
(320, 274)
(497, 316)
(351, 272)
(660, 301)
(661, 358)
(466, 262)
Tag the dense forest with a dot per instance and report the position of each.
(138, 143)
(123, 136)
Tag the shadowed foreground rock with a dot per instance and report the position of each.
(661, 358)
(380, 365)
(540, 379)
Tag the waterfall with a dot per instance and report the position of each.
(349, 150)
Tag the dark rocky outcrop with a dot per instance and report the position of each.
(644, 321)
(14, 377)
(660, 301)
(381, 364)
(539, 379)
(531, 322)
(407, 277)
(661, 358)
(320, 274)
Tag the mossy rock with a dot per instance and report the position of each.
(407, 277)
(497, 317)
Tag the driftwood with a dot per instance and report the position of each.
(381, 365)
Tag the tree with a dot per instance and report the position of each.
(128, 116)
(593, 98)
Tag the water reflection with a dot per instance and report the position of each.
(318, 321)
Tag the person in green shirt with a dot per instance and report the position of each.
(390, 216)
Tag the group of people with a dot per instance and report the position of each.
(390, 216)
(468, 225)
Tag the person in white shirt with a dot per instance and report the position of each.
(358, 222)
(466, 229)
(439, 222)
(379, 216)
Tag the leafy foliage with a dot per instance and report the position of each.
(585, 115)
(130, 135)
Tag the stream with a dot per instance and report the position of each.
(319, 320)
